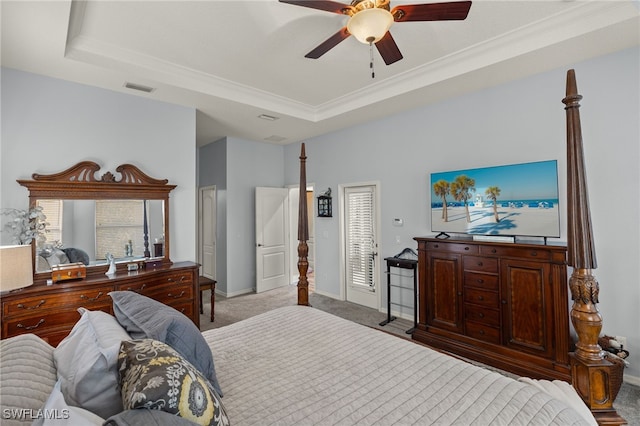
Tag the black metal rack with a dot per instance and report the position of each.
(396, 262)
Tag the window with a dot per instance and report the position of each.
(360, 237)
(52, 209)
(119, 222)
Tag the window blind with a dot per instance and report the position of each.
(117, 222)
(360, 237)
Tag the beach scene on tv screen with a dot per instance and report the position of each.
(514, 200)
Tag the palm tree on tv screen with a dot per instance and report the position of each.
(441, 189)
(461, 189)
(492, 193)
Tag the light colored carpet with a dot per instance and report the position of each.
(230, 310)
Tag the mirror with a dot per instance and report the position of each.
(126, 216)
(98, 227)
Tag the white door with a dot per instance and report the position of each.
(272, 239)
(360, 239)
(207, 232)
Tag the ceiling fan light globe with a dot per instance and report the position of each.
(370, 25)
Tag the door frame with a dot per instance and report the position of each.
(343, 238)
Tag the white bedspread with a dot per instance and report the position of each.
(301, 366)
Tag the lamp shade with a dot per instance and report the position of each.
(15, 267)
(370, 25)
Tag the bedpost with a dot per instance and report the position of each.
(303, 233)
(592, 374)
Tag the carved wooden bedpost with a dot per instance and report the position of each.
(303, 233)
(590, 370)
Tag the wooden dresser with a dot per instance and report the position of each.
(50, 311)
(501, 304)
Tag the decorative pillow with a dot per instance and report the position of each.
(87, 363)
(144, 417)
(143, 317)
(153, 375)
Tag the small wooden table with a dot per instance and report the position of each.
(205, 283)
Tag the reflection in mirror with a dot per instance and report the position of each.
(86, 230)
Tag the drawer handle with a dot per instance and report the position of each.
(479, 263)
(504, 302)
(480, 298)
(176, 297)
(137, 289)
(40, 303)
(31, 327)
(90, 299)
(481, 315)
(534, 254)
(436, 246)
(480, 280)
(459, 293)
(466, 248)
(172, 280)
(494, 251)
(482, 332)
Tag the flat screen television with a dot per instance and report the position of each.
(510, 200)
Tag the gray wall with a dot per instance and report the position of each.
(49, 125)
(517, 122)
(245, 165)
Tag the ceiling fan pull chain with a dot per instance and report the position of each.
(373, 73)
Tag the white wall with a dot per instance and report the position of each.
(49, 125)
(516, 122)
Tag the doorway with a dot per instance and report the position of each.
(207, 231)
(359, 235)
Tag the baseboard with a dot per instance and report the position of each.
(236, 293)
(329, 295)
(632, 380)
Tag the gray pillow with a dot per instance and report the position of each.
(143, 317)
(87, 362)
(28, 375)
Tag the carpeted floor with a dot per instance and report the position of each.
(230, 310)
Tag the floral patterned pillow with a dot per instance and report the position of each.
(153, 375)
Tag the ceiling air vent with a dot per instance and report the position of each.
(139, 87)
(275, 138)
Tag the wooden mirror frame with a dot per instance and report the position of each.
(79, 182)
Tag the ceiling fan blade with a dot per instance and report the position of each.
(328, 44)
(448, 11)
(326, 5)
(388, 49)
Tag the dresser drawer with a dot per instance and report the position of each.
(76, 298)
(482, 332)
(183, 308)
(489, 299)
(452, 247)
(482, 281)
(519, 252)
(170, 293)
(480, 264)
(481, 314)
(42, 324)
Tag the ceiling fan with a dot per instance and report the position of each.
(370, 20)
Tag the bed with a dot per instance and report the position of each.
(298, 366)
(292, 366)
